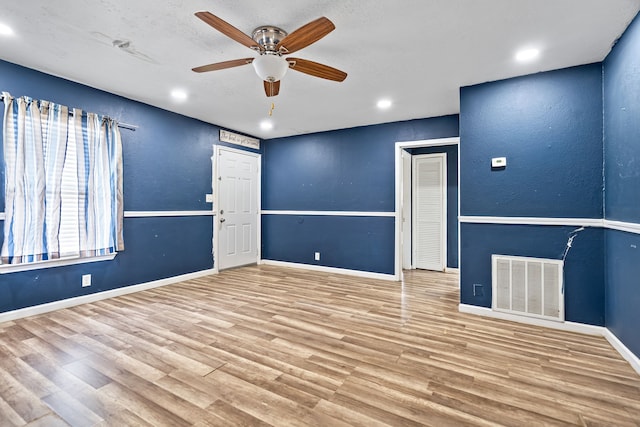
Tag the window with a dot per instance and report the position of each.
(63, 184)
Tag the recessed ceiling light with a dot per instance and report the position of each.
(527, 54)
(5, 30)
(266, 125)
(179, 94)
(383, 104)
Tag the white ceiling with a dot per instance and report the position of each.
(415, 52)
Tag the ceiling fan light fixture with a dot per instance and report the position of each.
(270, 67)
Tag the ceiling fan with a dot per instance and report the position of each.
(272, 43)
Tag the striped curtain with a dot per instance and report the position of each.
(35, 139)
(100, 197)
(39, 137)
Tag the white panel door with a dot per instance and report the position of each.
(237, 208)
(429, 211)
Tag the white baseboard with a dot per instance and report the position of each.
(582, 328)
(628, 355)
(563, 326)
(451, 270)
(334, 270)
(84, 299)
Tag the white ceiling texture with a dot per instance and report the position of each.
(417, 53)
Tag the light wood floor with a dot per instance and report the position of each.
(274, 346)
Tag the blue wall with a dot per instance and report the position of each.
(167, 166)
(345, 170)
(622, 185)
(583, 268)
(452, 197)
(549, 127)
(356, 243)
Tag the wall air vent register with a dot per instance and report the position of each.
(528, 286)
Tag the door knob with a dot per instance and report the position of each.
(222, 220)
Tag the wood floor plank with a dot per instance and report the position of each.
(70, 410)
(148, 410)
(9, 416)
(49, 420)
(345, 415)
(272, 346)
(258, 402)
(230, 415)
(21, 400)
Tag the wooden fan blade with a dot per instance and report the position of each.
(316, 69)
(271, 88)
(229, 30)
(305, 35)
(223, 65)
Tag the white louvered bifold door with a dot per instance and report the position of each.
(429, 211)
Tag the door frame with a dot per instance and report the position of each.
(407, 210)
(215, 184)
(444, 207)
(399, 146)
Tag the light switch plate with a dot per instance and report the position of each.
(208, 198)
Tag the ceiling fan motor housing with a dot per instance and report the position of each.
(268, 37)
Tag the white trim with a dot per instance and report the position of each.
(328, 213)
(398, 212)
(150, 214)
(398, 187)
(564, 326)
(406, 210)
(519, 220)
(459, 224)
(629, 227)
(37, 265)
(627, 354)
(259, 210)
(581, 328)
(335, 270)
(452, 270)
(429, 142)
(98, 296)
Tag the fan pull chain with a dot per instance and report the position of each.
(271, 109)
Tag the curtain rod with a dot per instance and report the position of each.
(120, 125)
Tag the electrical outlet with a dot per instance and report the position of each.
(317, 256)
(208, 198)
(86, 280)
